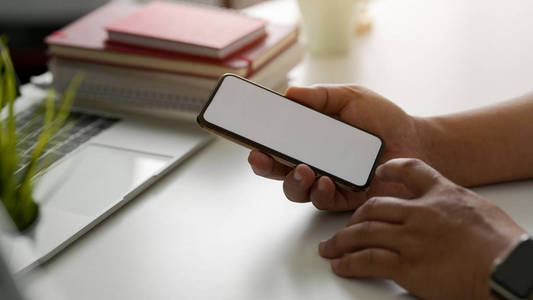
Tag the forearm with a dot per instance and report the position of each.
(486, 145)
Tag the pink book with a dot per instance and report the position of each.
(188, 29)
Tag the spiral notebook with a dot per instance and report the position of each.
(129, 87)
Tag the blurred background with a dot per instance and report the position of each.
(27, 22)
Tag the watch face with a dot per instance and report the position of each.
(515, 273)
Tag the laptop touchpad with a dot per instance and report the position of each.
(95, 178)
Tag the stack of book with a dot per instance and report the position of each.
(168, 55)
(228, 3)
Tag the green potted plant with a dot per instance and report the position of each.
(16, 191)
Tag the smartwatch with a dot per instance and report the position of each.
(512, 276)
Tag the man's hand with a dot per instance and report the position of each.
(364, 109)
(440, 244)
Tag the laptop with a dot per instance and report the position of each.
(15, 287)
(96, 165)
(8, 285)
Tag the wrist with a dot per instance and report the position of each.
(511, 271)
(432, 138)
(496, 251)
(443, 150)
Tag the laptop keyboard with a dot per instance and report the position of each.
(78, 129)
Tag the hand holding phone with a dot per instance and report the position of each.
(291, 132)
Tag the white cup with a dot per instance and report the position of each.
(328, 25)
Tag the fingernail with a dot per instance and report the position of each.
(322, 185)
(297, 175)
(259, 171)
(321, 247)
(378, 172)
(335, 263)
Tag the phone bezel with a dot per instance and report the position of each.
(280, 156)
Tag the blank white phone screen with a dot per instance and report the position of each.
(294, 130)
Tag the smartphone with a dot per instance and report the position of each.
(258, 118)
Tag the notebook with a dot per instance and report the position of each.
(85, 39)
(190, 29)
(168, 91)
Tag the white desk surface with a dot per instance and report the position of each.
(212, 230)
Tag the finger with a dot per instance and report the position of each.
(350, 103)
(266, 166)
(330, 99)
(384, 209)
(414, 174)
(326, 196)
(369, 234)
(298, 183)
(323, 194)
(371, 262)
(379, 187)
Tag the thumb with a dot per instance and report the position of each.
(328, 99)
(414, 174)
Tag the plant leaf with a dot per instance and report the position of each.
(16, 195)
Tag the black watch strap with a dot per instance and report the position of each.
(512, 276)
